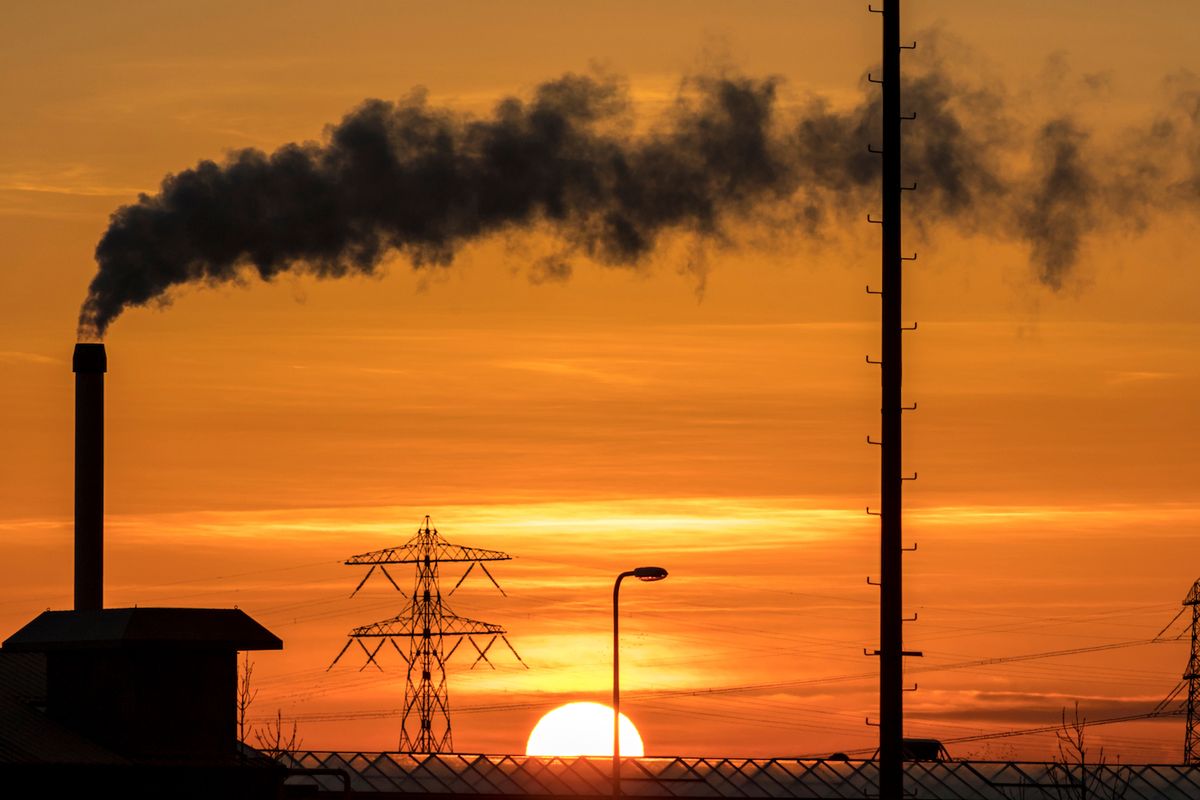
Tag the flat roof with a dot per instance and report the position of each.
(203, 628)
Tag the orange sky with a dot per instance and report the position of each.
(258, 435)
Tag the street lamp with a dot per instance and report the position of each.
(647, 574)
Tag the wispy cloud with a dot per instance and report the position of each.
(21, 357)
(1001, 708)
(573, 369)
(78, 180)
(1136, 377)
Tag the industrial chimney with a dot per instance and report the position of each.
(153, 688)
(89, 364)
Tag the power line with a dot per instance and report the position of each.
(1008, 734)
(653, 694)
(1053, 728)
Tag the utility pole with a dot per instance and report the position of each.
(428, 624)
(891, 651)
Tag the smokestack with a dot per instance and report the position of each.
(89, 364)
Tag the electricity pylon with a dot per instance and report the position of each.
(427, 623)
(1191, 740)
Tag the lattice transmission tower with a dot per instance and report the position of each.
(429, 626)
(1191, 741)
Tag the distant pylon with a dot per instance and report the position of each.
(427, 623)
(1191, 741)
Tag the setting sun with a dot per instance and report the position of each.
(582, 729)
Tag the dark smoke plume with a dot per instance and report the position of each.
(413, 179)
(1061, 206)
(422, 181)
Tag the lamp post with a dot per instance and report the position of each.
(642, 574)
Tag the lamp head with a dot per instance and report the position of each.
(649, 573)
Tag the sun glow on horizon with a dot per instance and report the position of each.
(582, 729)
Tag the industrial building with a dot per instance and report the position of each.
(135, 700)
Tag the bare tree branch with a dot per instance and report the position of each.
(245, 696)
(277, 743)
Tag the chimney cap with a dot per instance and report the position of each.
(89, 357)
